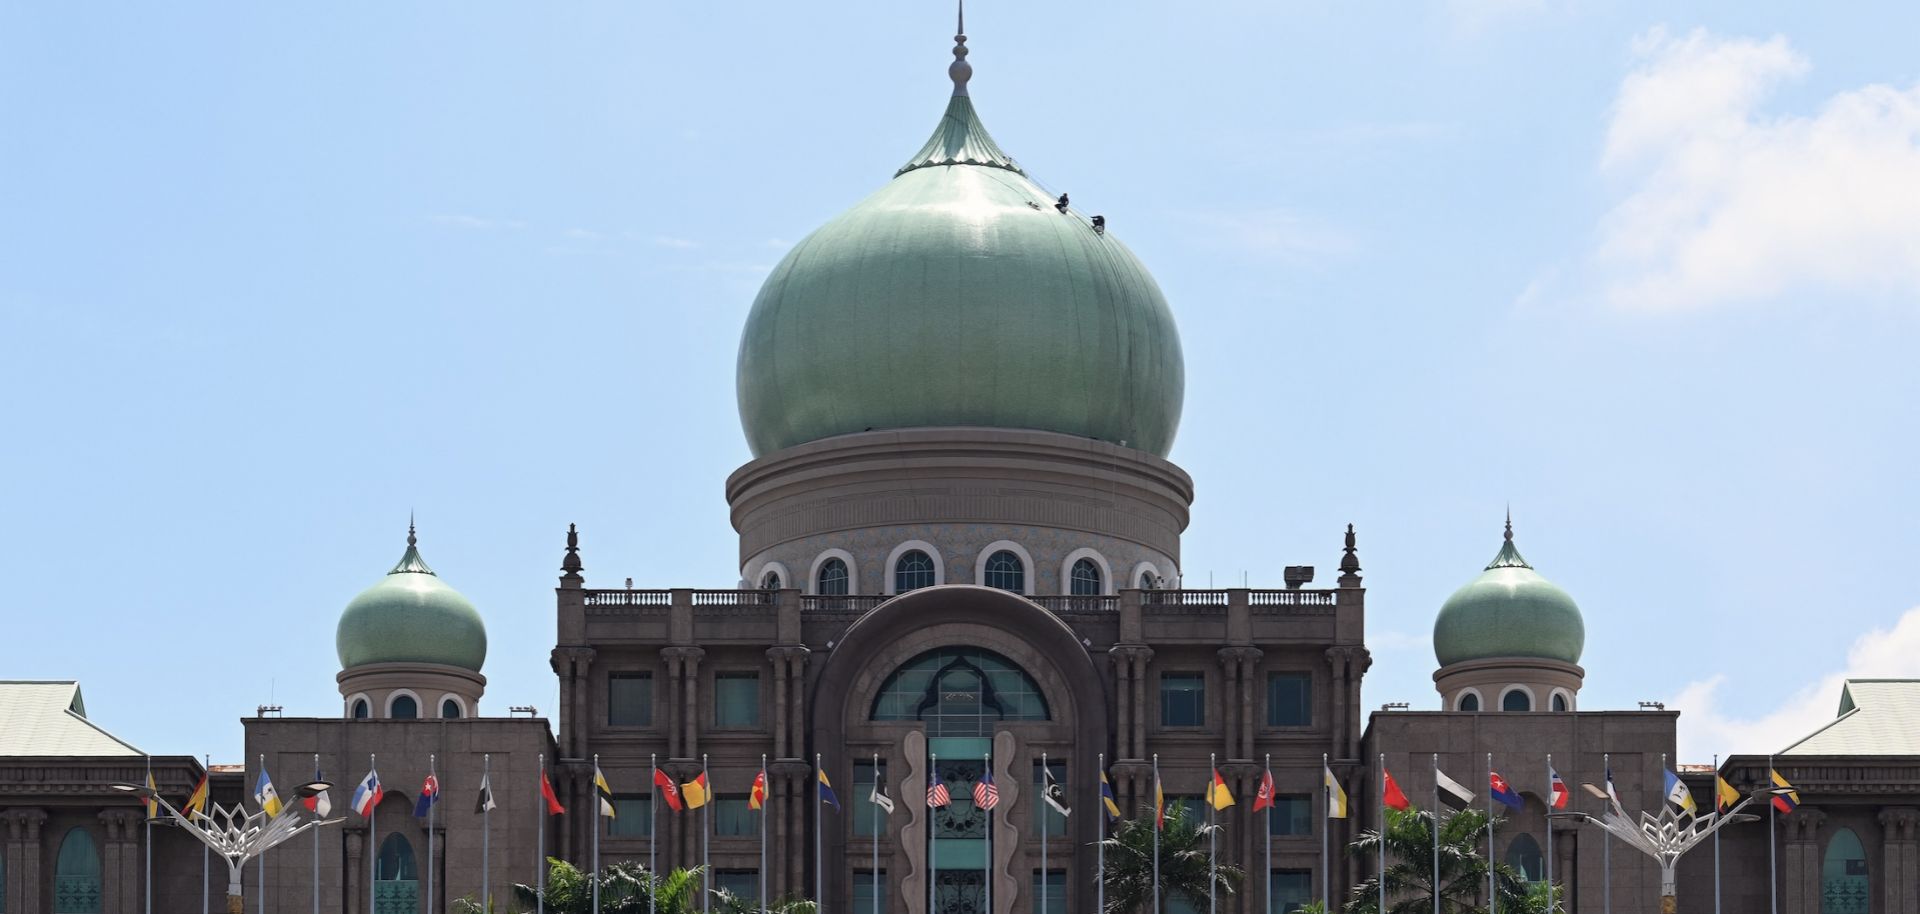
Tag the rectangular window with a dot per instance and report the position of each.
(736, 700)
(868, 819)
(1292, 814)
(741, 884)
(869, 898)
(632, 816)
(1050, 892)
(1189, 806)
(732, 818)
(1183, 700)
(1289, 890)
(1045, 816)
(1289, 700)
(630, 700)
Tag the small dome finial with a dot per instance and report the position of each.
(960, 71)
(411, 540)
(1509, 523)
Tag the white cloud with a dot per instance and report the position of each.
(1723, 202)
(1707, 726)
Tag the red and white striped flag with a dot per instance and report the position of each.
(937, 795)
(985, 795)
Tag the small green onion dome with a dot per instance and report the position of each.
(411, 616)
(1509, 611)
(960, 294)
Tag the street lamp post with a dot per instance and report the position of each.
(235, 835)
(1665, 837)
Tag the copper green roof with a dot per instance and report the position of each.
(1509, 611)
(411, 616)
(958, 295)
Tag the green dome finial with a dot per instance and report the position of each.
(411, 616)
(1509, 610)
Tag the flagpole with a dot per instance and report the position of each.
(1550, 833)
(1213, 854)
(261, 867)
(1436, 833)
(1326, 829)
(1158, 799)
(206, 852)
(987, 872)
(1493, 898)
(933, 847)
(373, 835)
(316, 847)
(1100, 849)
(653, 836)
(486, 831)
(706, 837)
(433, 771)
(1716, 834)
(763, 832)
(1266, 874)
(876, 838)
(149, 824)
(1381, 844)
(1045, 777)
(1606, 845)
(539, 845)
(819, 820)
(1773, 874)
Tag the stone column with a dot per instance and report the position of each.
(1899, 873)
(356, 874)
(1801, 861)
(574, 667)
(1122, 702)
(22, 828)
(120, 870)
(1133, 658)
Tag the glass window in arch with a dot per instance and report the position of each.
(1086, 579)
(76, 875)
(960, 692)
(361, 710)
(770, 581)
(1469, 702)
(832, 580)
(913, 571)
(1843, 875)
(1005, 572)
(1560, 702)
(1523, 854)
(450, 710)
(1516, 700)
(405, 708)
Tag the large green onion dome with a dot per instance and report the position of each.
(960, 295)
(1509, 611)
(411, 616)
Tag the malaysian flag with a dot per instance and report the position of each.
(985, 795)
(937, 791)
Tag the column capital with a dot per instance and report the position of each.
(1239, 654)
(24, 824)
(693, 654)
(1803, 825)
(121, 824)
(1900, 823)
(1132, 652)
(788, 652)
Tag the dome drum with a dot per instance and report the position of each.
(430, 683)
(1491, 678)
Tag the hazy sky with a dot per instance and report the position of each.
(276, 275)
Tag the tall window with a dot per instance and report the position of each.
(1292, 815)
(741, 884)
(632, 816)
(404, 707)
(450, 709)
(1289, 699)
(1523, 854)
(1146, 580)
(1045, 816)
(832, 579)
(1843, 876)
(734, 818)
(1469, 702)
(1087, 581)
(630, 700)
(1516, 700)
(1005, 572)
(1049, 891)
(396, 860)
(736, 700)
(959, 692)
(866, 820)
(76, 875)
(362, 709)
(1289, 890)
(770, 581)
(1560, 702)
(1183, 700)
(868, 896)
(913, 571)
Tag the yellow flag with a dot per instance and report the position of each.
(605, 791)
(1336, 796)
(695, 791)
(1218, 796)
(1725, 793)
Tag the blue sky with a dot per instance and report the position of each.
(277, 276)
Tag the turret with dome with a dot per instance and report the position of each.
(1509, 640)
(411, 645)
(968, 368)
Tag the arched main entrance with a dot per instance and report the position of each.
(396, 883)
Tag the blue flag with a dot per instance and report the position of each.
(826, 791)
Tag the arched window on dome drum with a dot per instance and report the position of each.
(913, 571)
(1843, 877)
(361, 709)
(1523, 854)
(1005, 572)
(1560, 702)
(1146, 580)
(959, 691)
(396, 885)
(1086, 579)
(450, 709)
(1516, 700)
(832, 579)
(770, 581)
(404, 708)
(1469, 702)
(76, 875)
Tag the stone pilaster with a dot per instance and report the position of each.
(1135, 659)
(22, 830)
(1800, 863)
(1900, 860)
(120, 866)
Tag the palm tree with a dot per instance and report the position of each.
(625, 888)
(725, 902)
(1184, 863)
(1463, 869)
